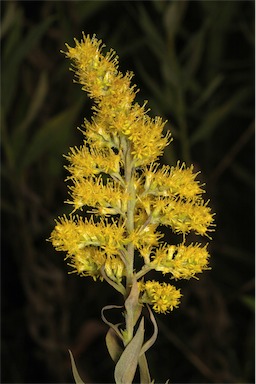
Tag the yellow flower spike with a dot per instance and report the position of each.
(114, 96)
(99, 73)
(116, 179)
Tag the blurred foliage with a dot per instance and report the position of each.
(194, 62)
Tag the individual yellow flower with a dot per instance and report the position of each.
(163, 297)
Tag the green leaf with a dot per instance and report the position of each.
(194, 50)
(114, 348)
(10, 65)
(37, 100)
(153, 338)
(217, 115)
(112, 326)
(144, 371)
(132, 306)
(173, 17)
(52, 135)
(152, 33)
(8, 18)
(19, 138)
(128, 362)
(77, 378)
(248, 301)
(208, 92)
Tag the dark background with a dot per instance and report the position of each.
(194, 63)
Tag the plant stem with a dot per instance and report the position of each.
(129, 179)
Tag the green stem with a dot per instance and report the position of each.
(145, 269)
(129, 179)
(129, 173)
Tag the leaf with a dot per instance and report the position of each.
(51, 135)
(36, 102)
(77, 378)
(206, 94)
(249, 302)
(194, 50)
(217, 115)
(8, 18)
(151, 341)
(132, 306)
(144, 371)
(113, 326)
(11, 63)
(127, 364)
(151, 32)
(173, 17)
(114, 348)
(20, 134)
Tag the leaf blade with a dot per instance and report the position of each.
(127, 364)
(77, 378)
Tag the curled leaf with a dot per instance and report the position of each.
(151, 341)
(114, 348)
(77, 378)
(113, 326)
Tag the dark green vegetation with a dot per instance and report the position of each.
(194, 62)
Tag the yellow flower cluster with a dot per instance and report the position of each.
(164, 297)
(181, 261)
(91, 246)
(116, 115)
(116, 177)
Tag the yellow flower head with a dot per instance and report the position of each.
(88, 261)
(181, 261)
(163, 297)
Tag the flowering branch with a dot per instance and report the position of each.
(116, 175)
